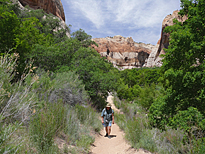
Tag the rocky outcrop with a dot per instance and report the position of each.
(50, 6)
(168, 21)
(126, 53)
(154, 58)
(123, 52)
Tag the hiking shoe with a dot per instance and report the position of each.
(106, 135)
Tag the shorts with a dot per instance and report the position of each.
(108, 124)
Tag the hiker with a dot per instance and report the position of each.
(107, 119)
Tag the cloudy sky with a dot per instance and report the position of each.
(139, 19)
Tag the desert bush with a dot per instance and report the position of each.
(73, 126)
(16, 103)
(80, 123)
(61, 86)
(68, 88)
(84, 142)
(45, 124)
(121, 120)
(117, 101)
(141, 134)
(88, 117)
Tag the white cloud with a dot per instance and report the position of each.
(91, 9)
(119, 16)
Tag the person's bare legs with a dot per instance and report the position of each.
(106, 129)
(109, 130)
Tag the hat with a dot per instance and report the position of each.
(108, 105)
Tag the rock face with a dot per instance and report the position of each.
(127, 54)
(154, 59)
(123, 52)
(50, 6)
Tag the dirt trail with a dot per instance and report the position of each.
(117, 143)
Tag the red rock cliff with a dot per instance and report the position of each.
(50, 6)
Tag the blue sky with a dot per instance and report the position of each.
(139, 19)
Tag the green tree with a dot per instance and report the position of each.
(99, 76)
(83, 37)
(183, 65)
(18, 35)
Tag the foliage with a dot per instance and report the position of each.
(85, 142)
(183, 68)
(29, 121)
(83, 37)
(50, 25)
(140, 76)
(135, 83)
(45, 124)
(199, 146)
(191, 121)
(138, 132)
(55, 56)
(148, 94)
(157, 115)
(18, 35)
(16, 101)
(98, 75)
(87, 116)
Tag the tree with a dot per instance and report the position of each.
(99, 76)
(83, 37)
(183, 65)
(18, 35)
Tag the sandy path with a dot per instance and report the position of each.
(117, 143)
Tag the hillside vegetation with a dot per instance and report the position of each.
(51, 87)
(164, 107)
(49, 84)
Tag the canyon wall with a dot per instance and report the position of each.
(123, 52)
(155, 59)
(126, 54)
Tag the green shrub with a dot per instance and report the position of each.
(121, 120)
(156, 115)
(88, 117)
(188, 120)
(199, 146)
(45, 124)
(7, 139)
(147, 142)
(16, 102)
(84, 142)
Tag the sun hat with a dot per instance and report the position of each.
(108, 104)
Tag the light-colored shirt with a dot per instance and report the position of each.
(107, 114)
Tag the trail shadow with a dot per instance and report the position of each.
(100, 134)
(93, 145)
(112, 136)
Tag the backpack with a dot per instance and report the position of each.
(107, 114)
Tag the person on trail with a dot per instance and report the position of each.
(107, 119)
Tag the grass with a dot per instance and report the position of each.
(29, 121)
(140, 134)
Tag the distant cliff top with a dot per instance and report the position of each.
(49, 6)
